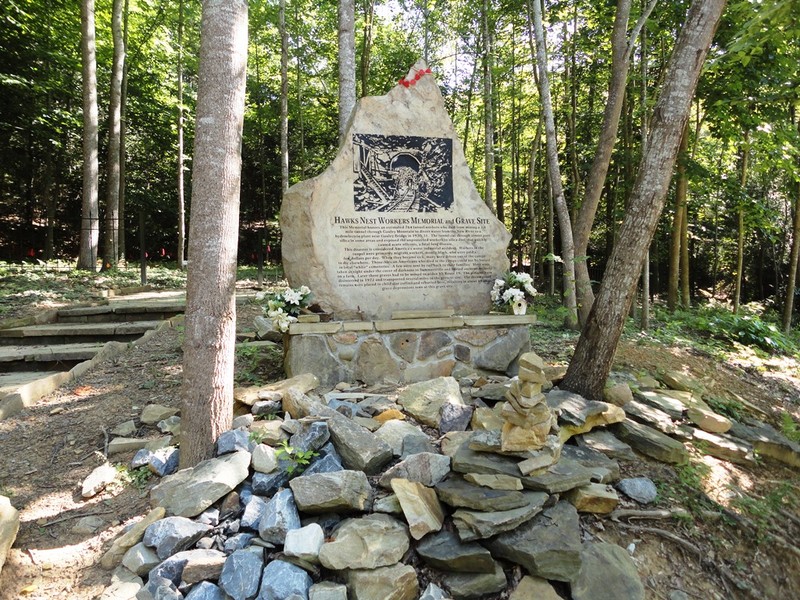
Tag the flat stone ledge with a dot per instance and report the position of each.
(413, 324)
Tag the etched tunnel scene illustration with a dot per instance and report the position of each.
(398, 173)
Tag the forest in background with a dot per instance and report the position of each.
(733, 199)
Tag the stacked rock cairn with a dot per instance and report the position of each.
(530, 426)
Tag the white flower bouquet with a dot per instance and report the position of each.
(283, 307)
(513, 291)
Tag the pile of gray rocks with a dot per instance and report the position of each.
(409, 495)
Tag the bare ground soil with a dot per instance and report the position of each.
(50, 448)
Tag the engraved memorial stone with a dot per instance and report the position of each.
(395, 222)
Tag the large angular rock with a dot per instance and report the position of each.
(370, 542)
(475, 585)
(9, 526)
(458, 493)
(426, 468)
(359, 448)
(652, 443)
(602, 468)
(205, 590)
(124, 586)
(604, 441)
(282, 580)
(420, 506)
(682, 382)
(708, 420)
(641, 489)
(140, 559)
(173, 534)
(548, 546)
(189, 492)
(202, 565)
(476, 525)
(341, 491)
(564, 475)
(131, 537)
(305, 543)
(188, 565)
(363, 218)
(327, 590)
(395, 582)
(241, 574)
(578, 415)
(607, 573)
(500, 355)
(446, 552)
(395, 433)
(594, 498)
(424, 400)
(97, 480)
(724, 447)
(768, 442)
(280, 515)
(530, 588)
(302, 383)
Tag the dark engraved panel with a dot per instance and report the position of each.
(402, 173)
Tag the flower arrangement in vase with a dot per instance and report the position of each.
(512, 292)
(284, 306)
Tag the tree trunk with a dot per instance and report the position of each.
(644, 324)
(111, 245)
(597, 344)
(366, 46)
(347, 64)
(533, 214)
(562, 210)
(90, 225)
(181, 153)
(681, 186)
(737, 294)
(794, 259)
(285, 97)
(622, 48)
(207, 408)
(686, 297)
(488, 109)
(123, 131)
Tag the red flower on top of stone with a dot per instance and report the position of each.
(409, 82)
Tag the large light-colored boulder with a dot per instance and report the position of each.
(373, 541)
(189, 492)
(424, 400)
(9, 526)
(373, 233)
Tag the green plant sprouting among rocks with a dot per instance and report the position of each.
(138, 477)
(299, 459)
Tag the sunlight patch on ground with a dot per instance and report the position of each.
(724, 481)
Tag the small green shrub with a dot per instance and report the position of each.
(789, 427)
(300, 459)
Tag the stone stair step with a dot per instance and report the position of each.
(61, 352)
(61, 333)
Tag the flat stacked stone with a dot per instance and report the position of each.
(527, 419)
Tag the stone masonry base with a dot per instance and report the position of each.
(407, 350)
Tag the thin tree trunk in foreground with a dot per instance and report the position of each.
(564, 222)
(111, 245)
(90, 225)
(347, 64)
(681, 186)
(207, 408)
(597, 344)
(788, 305)
(621, 50)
